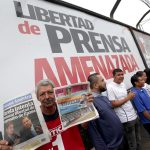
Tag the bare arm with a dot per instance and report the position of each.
(118, 103)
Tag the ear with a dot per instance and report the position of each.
(95, 86)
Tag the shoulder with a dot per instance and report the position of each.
(110, 84)
(101, 102)
(133, 89)
(98, 98)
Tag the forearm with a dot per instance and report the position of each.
(118, 103)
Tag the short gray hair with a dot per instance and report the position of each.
(44, 82)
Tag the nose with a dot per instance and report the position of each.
(46, 95)
(26, 123)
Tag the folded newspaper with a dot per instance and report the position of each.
(73, 106)
(22, 124)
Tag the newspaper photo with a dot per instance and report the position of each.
(24, 125)
(73, 106)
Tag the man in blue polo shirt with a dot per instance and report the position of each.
(106, 132)
(141, 100)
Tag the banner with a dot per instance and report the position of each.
(45, 40)
(143, 41)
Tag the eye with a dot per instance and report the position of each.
(50, 92)
(42, 94)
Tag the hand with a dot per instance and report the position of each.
(90, 97)
(130, 95)
(84, 125)
(4, 145)
(38, 129)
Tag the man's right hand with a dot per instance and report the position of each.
(4, 145)
(130, 95)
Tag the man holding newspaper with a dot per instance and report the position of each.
(60, 140)
(69, 139)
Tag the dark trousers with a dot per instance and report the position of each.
(132, 135)
(147, 127)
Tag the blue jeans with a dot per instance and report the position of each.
(132, 134)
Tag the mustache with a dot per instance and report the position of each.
(49, 100)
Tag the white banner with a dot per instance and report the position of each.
(44, 40)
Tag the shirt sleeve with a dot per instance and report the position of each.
(110, 93)
(138, 104)
(96, 137)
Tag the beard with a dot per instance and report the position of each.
(102, 89)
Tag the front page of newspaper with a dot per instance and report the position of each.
(73, 106)
(24, 125)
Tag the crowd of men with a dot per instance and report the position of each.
(121, 111)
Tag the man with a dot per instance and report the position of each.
(29, 130)
(69, 139)
(106, 131)
(10, 135)
(142, 100)
(120, 100)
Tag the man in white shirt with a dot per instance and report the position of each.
(120, 100)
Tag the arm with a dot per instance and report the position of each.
(4, 145)
(140, 107)
(118, 103)
(96, 137)
(112, 95)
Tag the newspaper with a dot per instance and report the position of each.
(22, 124)
(73, 106)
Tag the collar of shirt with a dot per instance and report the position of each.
(95, 94)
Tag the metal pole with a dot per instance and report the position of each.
(137, 25)
(114, 9)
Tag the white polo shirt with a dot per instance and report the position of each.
(125, 112)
